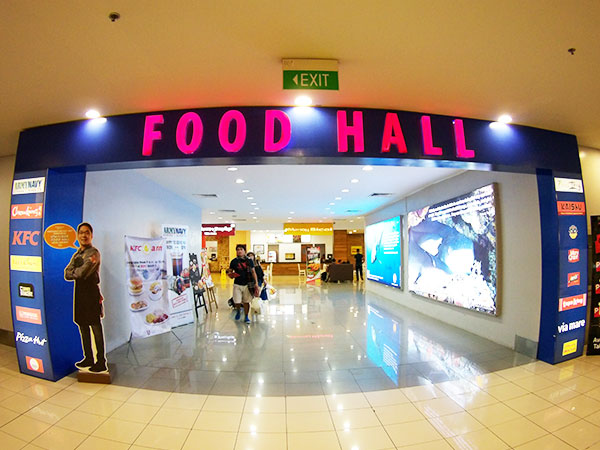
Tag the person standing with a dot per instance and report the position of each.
(358, 263)
(245, 282)
(84, 270)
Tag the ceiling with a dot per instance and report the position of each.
(461, 58)
(293, 193)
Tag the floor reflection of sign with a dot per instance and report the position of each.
(383, 341)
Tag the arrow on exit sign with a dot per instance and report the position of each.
(317, 74)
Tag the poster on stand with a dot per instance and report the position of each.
(313, 265)
(594, 325)
(146, 279)
(204, 269)
(180, 295)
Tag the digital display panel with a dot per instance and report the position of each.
(452, 251)
(384, 252)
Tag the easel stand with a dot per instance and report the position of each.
(199, 301)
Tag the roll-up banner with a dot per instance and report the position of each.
(594, 325)
(180, 295)
(313, 265)
(146, 279)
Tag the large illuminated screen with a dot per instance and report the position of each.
(382, 240)
(452, 251)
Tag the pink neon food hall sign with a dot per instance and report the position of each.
(233, 130)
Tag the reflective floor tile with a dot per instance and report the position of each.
(411, 433)
(309, 422)
(374, 438)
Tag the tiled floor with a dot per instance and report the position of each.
(458, 402)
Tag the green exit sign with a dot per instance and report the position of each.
(316, 74)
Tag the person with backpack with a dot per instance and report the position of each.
(245, 284)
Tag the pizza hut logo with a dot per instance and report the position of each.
(573, 232)
(573, 279)
(597, 310)
(573, 255)
(597, 288)
(597, 266)
(34, 364)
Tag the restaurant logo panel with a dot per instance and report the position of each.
(593, 347)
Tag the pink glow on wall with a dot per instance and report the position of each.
(392, 134)
(355, 130)
(150, 134)
(240, 134)
(193, 119)
(271, 115)
(428, 148)
(459, 138)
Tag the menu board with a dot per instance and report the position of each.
(594, 325)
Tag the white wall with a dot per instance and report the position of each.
(7, 166)
(519, 257)
(123, 202)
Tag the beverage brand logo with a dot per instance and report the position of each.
(573, 255)
(569, 347)
(573, 279)
(36, 340)
(26, 263)
(26, 290)
(34, 364)
(573, 232)
(28, 186)
(576, 301)
(563, 328)
(29, 315)
(26, 211)
(571, 208)
(26, 238)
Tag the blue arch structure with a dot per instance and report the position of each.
(58, 157)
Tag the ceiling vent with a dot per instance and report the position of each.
(227, 210)
(205, 195)
(380, 194)
(352, 210)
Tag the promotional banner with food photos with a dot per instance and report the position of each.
(178, 274)
(146, 280)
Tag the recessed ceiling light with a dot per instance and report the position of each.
(232, 169)
(331, 203)
(368, 168)
(256, 207)
(250, 198)
(328, 207)
(351, 221)
(505, 118)
(245, 191)
(253, 204)
(338, 198)
(303, 100)
(92, 114)
(498, 126)
(354, 180)
(354, 231)
(239, 181)
(345, 190)
(292, 212)
(320, 221)
(289, 217)
(212, 212)
(219, 218)
(251, 213)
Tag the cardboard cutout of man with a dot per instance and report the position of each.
(84, 270)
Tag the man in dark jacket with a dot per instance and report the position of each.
(84, 270)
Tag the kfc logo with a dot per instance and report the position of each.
(574, 255)
(26, 238)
